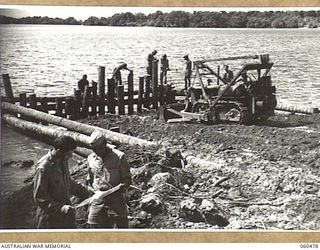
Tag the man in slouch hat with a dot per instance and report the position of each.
(107, 168)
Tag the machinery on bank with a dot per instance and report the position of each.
(247, 97)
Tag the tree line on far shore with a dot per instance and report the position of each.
(197, 19)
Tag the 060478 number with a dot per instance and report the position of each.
(309, 246)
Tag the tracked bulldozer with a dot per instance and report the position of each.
(247, 97)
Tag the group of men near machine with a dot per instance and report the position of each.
(164, 68)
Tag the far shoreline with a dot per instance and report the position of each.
(204, 28)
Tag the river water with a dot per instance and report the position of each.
(49, 60)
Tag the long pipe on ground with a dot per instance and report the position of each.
(297, 110)
(75, 126)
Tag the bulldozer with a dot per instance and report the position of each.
(248, 96)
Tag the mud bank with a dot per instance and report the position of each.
(264, 176)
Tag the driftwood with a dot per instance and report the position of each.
(75, 126)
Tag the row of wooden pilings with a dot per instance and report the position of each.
(99, 100)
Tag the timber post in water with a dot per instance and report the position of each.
(111, 96)
(70, 108)
(33, 101)
(140, 94)
(23, 99)
(94, 99)
(130, 93)
(44, 104)
(85, 102)
(120, 90)
(77, 103)
(59, 107)
(101, 89)
(154, 81)
(7, 87)
(148, 92)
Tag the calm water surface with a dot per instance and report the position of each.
(49, 60)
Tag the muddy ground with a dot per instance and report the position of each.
(263, 176)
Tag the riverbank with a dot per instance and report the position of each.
(264, 176)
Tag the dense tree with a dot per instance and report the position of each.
(201, 19)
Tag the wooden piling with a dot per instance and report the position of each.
(170, 96)
(70, 108)
(140, 94)
(94, 100)
(59, 107)
(94, 88)
(161, 95)
(77, 103)
(44, 107)
(85, 102)
(33, 101)
(147, 92)
(23, 99)
(121, 99)
(44, 104)
(101, 90)
(7, 87)
(111, 96)
(154, 83)
(130, 93)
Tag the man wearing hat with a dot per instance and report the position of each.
(187, 72)
(164, 68)
(107, 168)
(116, 74)
(151, 58)
(53, 187)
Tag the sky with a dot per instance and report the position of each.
(83, 12)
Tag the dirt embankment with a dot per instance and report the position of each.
(264, 176)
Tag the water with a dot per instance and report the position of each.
(49, 60)
(16, 147)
